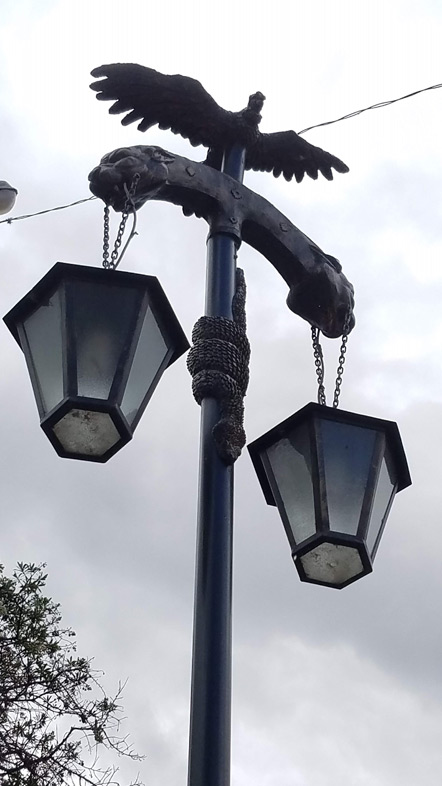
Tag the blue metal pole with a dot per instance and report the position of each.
(210, 712)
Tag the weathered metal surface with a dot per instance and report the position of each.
(319, 292)
(181, 103)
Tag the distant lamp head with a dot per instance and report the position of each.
(8, 195)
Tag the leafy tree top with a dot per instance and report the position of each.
(54, 714)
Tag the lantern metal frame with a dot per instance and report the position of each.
(149, 294)
(387, 444)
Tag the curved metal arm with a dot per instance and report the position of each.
(319, 291)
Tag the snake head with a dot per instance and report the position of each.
(325, 298)
(112, 178)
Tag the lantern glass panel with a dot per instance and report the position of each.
(86, 432)
(290, 461)
(101, 328)
(44, 335)
(347, 455)
(149, 356)
(385, 492)
(332, 563)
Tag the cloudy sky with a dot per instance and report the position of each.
(329, 688)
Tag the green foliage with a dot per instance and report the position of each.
(51, 721)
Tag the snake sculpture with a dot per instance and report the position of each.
(319, 292)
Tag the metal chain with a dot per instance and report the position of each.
(129, 207)
(341, 361)
(106, 238)
(319, 363)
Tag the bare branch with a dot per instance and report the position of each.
(44, 685)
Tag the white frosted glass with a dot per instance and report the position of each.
(290, 463)
(347, 452)
(384, 491)
(148, 358)
(332, 563)
(85, 432)
(102, 318)
(44, 334)
(98, 356)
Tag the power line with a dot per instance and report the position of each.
(304, 131)
(367, 108)
(49, 210)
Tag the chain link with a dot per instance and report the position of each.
(319, 363)
(129, 207)
(106, 238)
(341, 361)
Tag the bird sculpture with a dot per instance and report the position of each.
(181, 104)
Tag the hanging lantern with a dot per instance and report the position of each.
(333, 476)
(96, 343)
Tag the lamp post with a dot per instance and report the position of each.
(209, 745)
(332, 474)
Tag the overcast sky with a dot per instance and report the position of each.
(329, 688)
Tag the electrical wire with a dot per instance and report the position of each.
(367, 108)
(304, 131)
(49, 210)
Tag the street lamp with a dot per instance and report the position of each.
(96, 343)
(334, 529)
(8, 195)
(333, 476)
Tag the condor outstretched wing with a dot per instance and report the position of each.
(176, 102)
(183, 105)
(287, 153)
